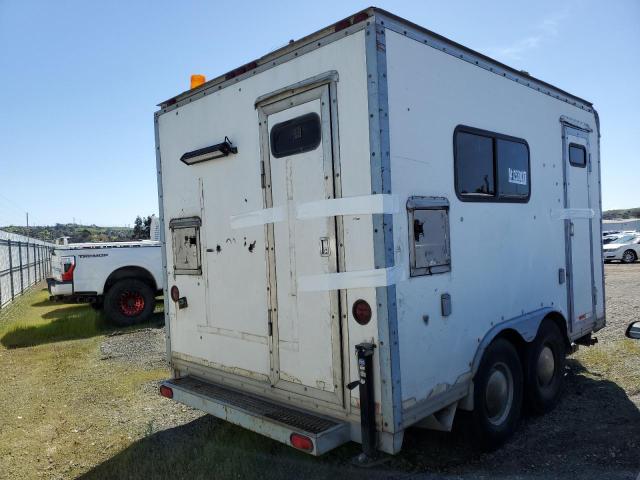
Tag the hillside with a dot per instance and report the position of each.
(77, 233)
(621, 214)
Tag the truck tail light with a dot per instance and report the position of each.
(166, 392)
(68, 266)
(301, 442)
(361, 312)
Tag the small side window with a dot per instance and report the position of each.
(577, 155)
(186, 246)
(428, 235)
(474, 165)
(298, 135)
(490, 167)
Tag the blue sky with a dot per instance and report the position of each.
(79, 81)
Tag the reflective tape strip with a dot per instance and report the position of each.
(379, 277)
(364, 205)
(568, 213)
(258, 217)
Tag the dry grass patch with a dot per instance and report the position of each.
(64, 409)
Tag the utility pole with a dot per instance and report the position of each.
(27, 223)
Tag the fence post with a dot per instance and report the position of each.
(20, 258)
(35, 264)
(28, 266)
(0, 291)
(11, 270)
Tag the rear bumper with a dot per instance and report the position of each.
(58, 289)
(266, 417)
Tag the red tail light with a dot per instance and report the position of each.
(361, 312)
(166, 391)
(175, 293)
(301, 442)
(68, 266)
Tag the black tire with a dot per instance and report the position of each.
(129, 301)
(629, 256)
(495, 419)
(97, 305)
(546, 359)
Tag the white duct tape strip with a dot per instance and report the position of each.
(568, 213)
(363, 205)
(379, 277)
(258, 217)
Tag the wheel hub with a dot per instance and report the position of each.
(546, 366)
(499, 393)
(131, 303)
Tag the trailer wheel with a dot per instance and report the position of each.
(497, 394)
(129, 301)
(545, 368)
(629, 256)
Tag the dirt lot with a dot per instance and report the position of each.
(79, 399)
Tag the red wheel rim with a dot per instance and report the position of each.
(131, 303)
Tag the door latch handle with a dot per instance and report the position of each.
(571, 229)
(324, 246)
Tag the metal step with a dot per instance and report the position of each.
(260, 415)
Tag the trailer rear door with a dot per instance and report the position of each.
(296, 133)
(579, 230)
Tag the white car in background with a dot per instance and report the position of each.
(625, 249)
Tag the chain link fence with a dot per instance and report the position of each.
(24, 262)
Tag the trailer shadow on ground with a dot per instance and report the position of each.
(70, 322)
(591, 439)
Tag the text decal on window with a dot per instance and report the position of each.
(518, 177)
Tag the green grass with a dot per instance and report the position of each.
(34, 320)
(65, 409)
(617, 360)
(64, 323)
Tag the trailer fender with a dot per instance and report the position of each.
(526, 326)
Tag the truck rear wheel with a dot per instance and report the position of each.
(497, 394)
(128, 302)
(98, 304)
(545, 368)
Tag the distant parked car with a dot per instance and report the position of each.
(606, 239)
(625, 249)
(634, 331)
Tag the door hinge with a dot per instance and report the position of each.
(270, 323)
(263, 182)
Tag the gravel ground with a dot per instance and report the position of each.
(593, 433)
(143, 348)
(622, 289)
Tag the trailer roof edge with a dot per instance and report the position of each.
(356, 22)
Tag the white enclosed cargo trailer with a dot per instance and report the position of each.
(376, 206)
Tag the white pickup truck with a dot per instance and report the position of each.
(122, 277)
